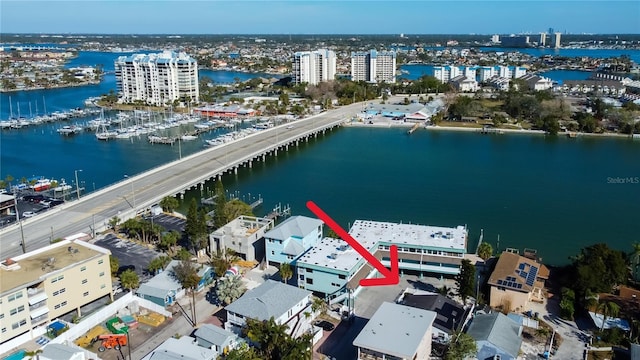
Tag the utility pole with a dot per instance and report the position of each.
(19, 220)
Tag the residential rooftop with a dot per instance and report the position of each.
(271, 299)
(243, 226)
(396, 330)
(333, 254)
(295, 226)
(35, 266)
(518, 273)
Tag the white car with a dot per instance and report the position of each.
(290, 127)
(28, 214)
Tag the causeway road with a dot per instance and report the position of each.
(134, 193)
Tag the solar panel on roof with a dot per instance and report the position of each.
(499, 282)
(521, 267)
(519, 286)
(532, 275)
(523, 274)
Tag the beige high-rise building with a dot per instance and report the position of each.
(373, 66)
(543, 39)
(44, 284)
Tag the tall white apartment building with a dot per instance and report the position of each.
(556, 40)
(157, 79)
(314, 67)
(373, 66)
(448, 72)
(508, 72)
(543, 39)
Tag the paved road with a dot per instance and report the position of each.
(140, 191)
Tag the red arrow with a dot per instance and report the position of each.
(389, 277)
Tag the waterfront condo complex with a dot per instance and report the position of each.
(313, 67)
(373, 66)
(334, 268)
(49, 282)
(157, 79)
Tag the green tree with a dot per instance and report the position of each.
(461, 346)
(332, 234)
(142, 230)
(229, 288)
(634, 261)
(567, 301)
(466, 280)
(196, 226)
(243, 352)
(236, 208)
(168, 241)
(186, 273)
(219, 217)
(114, 264)
(319, 305)
(129, 279)
(609, 309)
(169, 204)
(221, 261)
(485, 250)
(114, 222)
(286, 272)
(183, 254)
(598, 268)
(158, 263)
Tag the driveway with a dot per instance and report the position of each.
(573, 344)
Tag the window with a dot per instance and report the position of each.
(1, 316)
(4, 330)
(103, 286)
(86, 294)
(309, 281)
(84, 281)
(15, 296)
(100, 261)
(23, 322)
(55, 279)
(102, 273)
(64, 303)
(83, 268)
(273, 252)
(342, 277)
(309, 270)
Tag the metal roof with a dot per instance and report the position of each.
(299, 226)
(497, 330)
(271, 299)
(396, 330)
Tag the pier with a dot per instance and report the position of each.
(171, 179)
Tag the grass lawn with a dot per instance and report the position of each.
(460, 124)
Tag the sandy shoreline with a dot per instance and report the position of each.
(394, 124)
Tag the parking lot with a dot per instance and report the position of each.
(129, 254)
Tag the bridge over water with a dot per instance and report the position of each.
(125, 198)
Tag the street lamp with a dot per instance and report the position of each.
(133, 193)
(77, 184)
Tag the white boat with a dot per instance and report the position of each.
(62, 186)
(188, 137)
(69, 130)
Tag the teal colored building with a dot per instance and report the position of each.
(293, 237)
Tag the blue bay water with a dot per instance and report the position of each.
(552, 194)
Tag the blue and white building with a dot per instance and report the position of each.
(286, 242)
(333, 267)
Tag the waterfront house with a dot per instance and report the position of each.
(286, 242)
(215, 338)
(537, 83)
(333, 268)
(496, 336)
(244, 235)
(396, 332)
(515, 281)
(284, 303)
(164, 289)
(464, 84)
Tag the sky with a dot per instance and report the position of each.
(319, 17)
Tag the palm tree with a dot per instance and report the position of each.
(318, 304)
(286, 272)
(129, 279)
(485, 250)
(609, 309)
(187, 274)
(223, 260)
(229, 288)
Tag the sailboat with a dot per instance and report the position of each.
(103, 134)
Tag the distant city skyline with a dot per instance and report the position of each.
(319, 17)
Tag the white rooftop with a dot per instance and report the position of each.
(396, 330)
(336, 254)
(444, 238)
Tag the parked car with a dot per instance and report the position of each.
(28, 214)
(325, 325)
